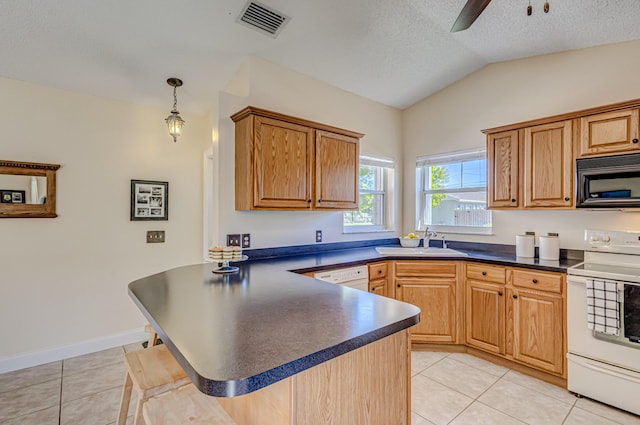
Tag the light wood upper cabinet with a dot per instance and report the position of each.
(502, 163)
(336, 171)
(283, 155)
(609, 133)
(531, 167)
(548, 165)
(287, 163)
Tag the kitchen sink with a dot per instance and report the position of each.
(419, 252)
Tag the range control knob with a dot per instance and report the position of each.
(594, 238)
(606, 238)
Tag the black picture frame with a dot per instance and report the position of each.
(149, 200)
(8, 196)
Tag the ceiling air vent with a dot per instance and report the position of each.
(262, 18)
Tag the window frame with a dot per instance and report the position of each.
(388, 194)
(456, 157)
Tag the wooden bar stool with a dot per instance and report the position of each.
(151, 372)
(185, 406)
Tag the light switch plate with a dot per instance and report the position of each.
(155, 236)
(233, 239)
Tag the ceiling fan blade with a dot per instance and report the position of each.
(469, 14)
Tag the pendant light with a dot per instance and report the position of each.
(174, 120)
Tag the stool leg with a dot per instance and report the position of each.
(125, 400)
(138, 419)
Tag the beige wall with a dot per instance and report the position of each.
(515, 91)
(265, 85)
(64, 280)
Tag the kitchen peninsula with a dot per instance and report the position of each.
(280, 348)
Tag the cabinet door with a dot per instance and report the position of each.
(283, 154)
(485, 316)
(611, 132)
(548, 165)
(502, 170)
(538, 330)
(379, 287)
(336, 171)
(436, 299)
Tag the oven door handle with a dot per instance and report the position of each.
(596, 367)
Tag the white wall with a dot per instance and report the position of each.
(63, 281)
(515, 91)
(265, 85)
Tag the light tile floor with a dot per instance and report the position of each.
(447, 388)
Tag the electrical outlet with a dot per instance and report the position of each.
(233, 240)
(246, 240)
(318, 235)
(155, 236)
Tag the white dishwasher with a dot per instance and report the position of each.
(354, 277)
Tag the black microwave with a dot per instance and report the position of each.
(608, 181)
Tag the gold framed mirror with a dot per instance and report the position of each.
(27, 189)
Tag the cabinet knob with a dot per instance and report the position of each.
(634, 141)
(513, 199)
(515, 297)
(500, 294)
(398, 285)
(535, 281)
(373, 289)
(567, 199)
(308, 201)
(484, 273)
(379, 271)
(319, 201)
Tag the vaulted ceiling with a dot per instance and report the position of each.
(393, 52)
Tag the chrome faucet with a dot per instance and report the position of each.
(428, 235)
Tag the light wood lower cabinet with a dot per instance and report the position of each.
(521, 319)
(433, 287)
(485, 315)
(378, 281)
(538, 330)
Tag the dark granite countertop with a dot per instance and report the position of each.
(485, 253)
(234, 334)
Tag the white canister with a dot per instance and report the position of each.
(549, 248)
(525, 246)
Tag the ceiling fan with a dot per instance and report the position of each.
(473, 8)
(469, 14)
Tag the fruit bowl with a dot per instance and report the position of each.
(409, 242)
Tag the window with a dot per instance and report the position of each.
(376, 198)
(452, 192)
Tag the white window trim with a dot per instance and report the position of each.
(440, 159)
(389, 195)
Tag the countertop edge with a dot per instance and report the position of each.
(247, 385)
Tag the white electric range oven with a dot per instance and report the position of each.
(603, 320)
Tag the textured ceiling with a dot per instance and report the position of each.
(393, 52)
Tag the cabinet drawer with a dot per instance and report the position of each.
(550, 282)
(377, 270)
(427, 268)
(486, 273)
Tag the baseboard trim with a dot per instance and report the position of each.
(48, 355)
